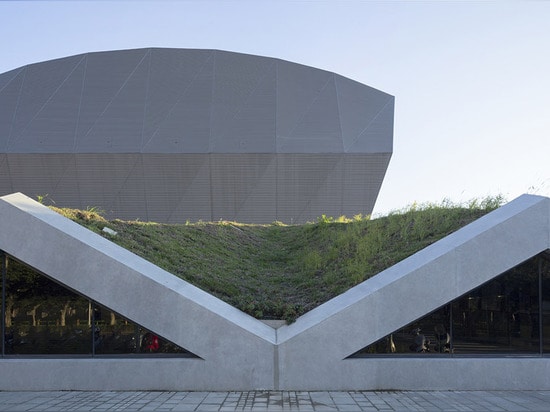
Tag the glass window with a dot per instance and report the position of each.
(116, 335)
(42, 317)
(545, 300)
(428, 335)
(3, 268)
(499, 317)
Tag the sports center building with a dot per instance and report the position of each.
(175, 135)
(471, 311)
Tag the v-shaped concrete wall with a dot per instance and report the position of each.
(238, 352)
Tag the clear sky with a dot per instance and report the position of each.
(471, 79)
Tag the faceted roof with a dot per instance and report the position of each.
(158, 100)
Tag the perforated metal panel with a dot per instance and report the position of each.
(174, 135)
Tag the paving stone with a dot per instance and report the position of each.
(276, 401)
(185, 407)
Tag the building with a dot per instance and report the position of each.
(481, 297)
(171, 135)
(175, 135)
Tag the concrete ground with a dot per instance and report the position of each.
(277, 401)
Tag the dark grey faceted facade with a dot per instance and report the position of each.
(171, 135)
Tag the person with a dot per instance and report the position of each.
(442, 339)
(420, 343)
(150, 342)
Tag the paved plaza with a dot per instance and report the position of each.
(277, 401)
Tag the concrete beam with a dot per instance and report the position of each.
(239, 352)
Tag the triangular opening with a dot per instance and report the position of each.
(42, 317)
(507, 316)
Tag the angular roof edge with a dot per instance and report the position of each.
(220, 51)
(507, 236)
(47, 241)
(464, 260)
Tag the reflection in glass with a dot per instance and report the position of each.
(545, 300)
(41, 317)
(114, 334)
(428, 335)
(499, 317)
(3, 268)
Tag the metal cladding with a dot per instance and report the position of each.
(171, 135)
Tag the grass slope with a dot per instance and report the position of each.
(283, 271)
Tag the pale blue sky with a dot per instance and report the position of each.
(471, 79)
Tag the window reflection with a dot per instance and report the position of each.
(508, 315)
(41, 317)
(427, 335)
(114, 334)
(545, 301)
(499, 317)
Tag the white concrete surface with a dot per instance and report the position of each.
(318, 343)
(241, 353)
(237, 350)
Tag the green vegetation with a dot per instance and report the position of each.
(282, 271)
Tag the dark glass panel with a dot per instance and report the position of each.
(3, 268)
(545, 273)
(428, 335)
(43, 317)
(114, 334)
(500, 316)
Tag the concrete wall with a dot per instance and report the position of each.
(354, 374)
(238, 352)
(321, 340)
